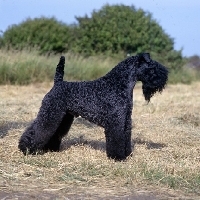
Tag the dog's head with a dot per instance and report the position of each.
(153, 75)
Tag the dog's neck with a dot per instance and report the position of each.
(122, 74)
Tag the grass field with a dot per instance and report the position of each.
(25, 67)
(165, 163)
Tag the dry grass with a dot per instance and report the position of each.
(165, 162)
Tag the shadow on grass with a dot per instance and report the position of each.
(99, 145)
(66, 144)
(6, 126)
(149, 144)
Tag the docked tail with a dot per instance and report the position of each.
(60, 70)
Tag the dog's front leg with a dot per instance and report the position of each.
(127, 133)
(115, 142)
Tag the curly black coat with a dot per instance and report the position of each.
(107, 102)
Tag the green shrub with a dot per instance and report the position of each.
(115, 30)
(121, 29)
(45, 34)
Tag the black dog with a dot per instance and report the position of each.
(107, 101)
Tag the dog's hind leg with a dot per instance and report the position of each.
(49, 122)
(54, 142)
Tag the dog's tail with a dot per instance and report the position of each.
(60, 70)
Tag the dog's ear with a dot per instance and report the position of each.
(144, 57)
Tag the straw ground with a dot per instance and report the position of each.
(165, 163)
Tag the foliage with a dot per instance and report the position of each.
(43, 33)
(122, 29)
(194, 62)
(115, 31)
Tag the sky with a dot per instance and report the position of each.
(180, 19)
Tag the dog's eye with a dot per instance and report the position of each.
(151, 71)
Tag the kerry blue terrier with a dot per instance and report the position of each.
(107, 101)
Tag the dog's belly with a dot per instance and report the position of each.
(93, 119)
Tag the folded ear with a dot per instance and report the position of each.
(144, 57)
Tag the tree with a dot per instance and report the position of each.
(47, 34)
(123, 29)
(115, 30)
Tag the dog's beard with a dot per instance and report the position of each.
(149, 90)
(155, 85)
(154, 82)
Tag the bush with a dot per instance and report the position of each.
(45, 34)
(113, 31)
(122, 30)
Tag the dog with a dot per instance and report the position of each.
(106, 101)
